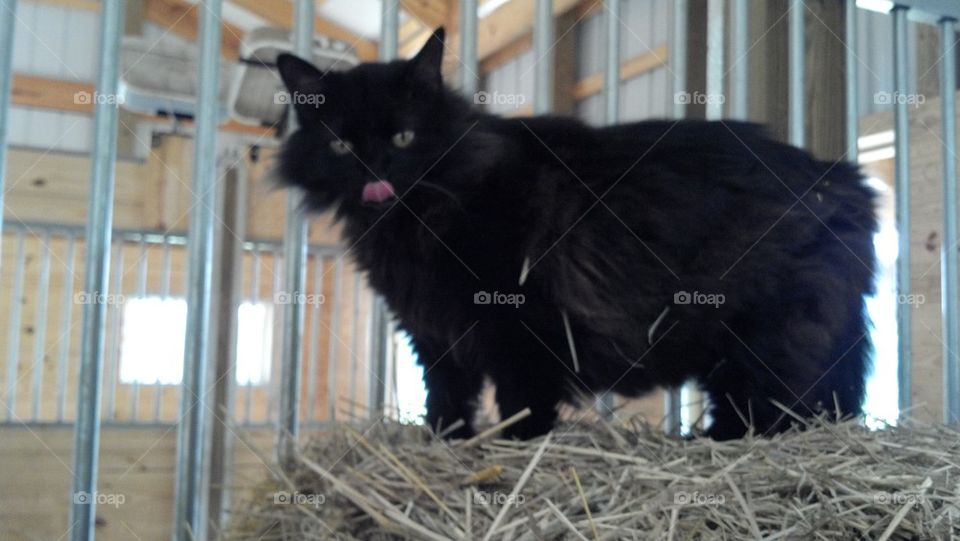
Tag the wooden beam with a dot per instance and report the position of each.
(504, 55)
(411, 29)
(44, 93)
(505, 25)
(76, 97)
(630, 68)
(87, 5)
(280, 13)
(430, 13)
(182, 19)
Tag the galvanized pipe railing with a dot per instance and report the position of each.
(902, 179)
(294, 271)
(796, 56)
(380, 315)
(469, 76)
(86, 443)
(8, 18)
(191, 482)
(852, 83)
(739, 46)
(950, 292)
(672, 407)
(611, 75)
(716, 33)
(543, 31)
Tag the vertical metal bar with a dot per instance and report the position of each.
(40, 328)
(604, 402)
(254, 299)
(739, 47)
(851, 86)
(377, 361)
(611, 80)
(370, 342)
(314, 339)
(543, 30)
(797, 74)
(276, 263)
(66, 330)
(334, 339)
(112, 349)
(354, 345)
(469, 68)
(8, 17)
(902, 174)
(678, 67)
(678, 56)
(949, 289)
(294, 267)
(389, 30)
(716, 23)
(191, 492)
(86, 444)
(141, 293)
(166, 273)
(13, 337)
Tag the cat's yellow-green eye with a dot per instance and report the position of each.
(340, 147)
(403, 139)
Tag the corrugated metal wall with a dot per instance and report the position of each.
(645, 26)
(875, 49)
(54, 42)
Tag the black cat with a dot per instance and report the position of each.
(557, 258)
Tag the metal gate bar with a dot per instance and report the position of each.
(86, 443)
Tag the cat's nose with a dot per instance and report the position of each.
(377, 191)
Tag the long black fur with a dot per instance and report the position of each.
(616, 223)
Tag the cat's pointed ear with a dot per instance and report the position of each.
(296, 72)
(427, 65)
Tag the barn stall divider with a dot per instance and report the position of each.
(99, 237)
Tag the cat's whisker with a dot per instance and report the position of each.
(653, 328)
(440, 189)
(570, 342)
(525, 270)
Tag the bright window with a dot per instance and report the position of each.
(152, 341)
(411, 392)
(254, 341)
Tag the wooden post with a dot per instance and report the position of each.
(826, 107)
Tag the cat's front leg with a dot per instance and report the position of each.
(451, 390)
(528, 381)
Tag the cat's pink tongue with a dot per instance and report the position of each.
(377, 191)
